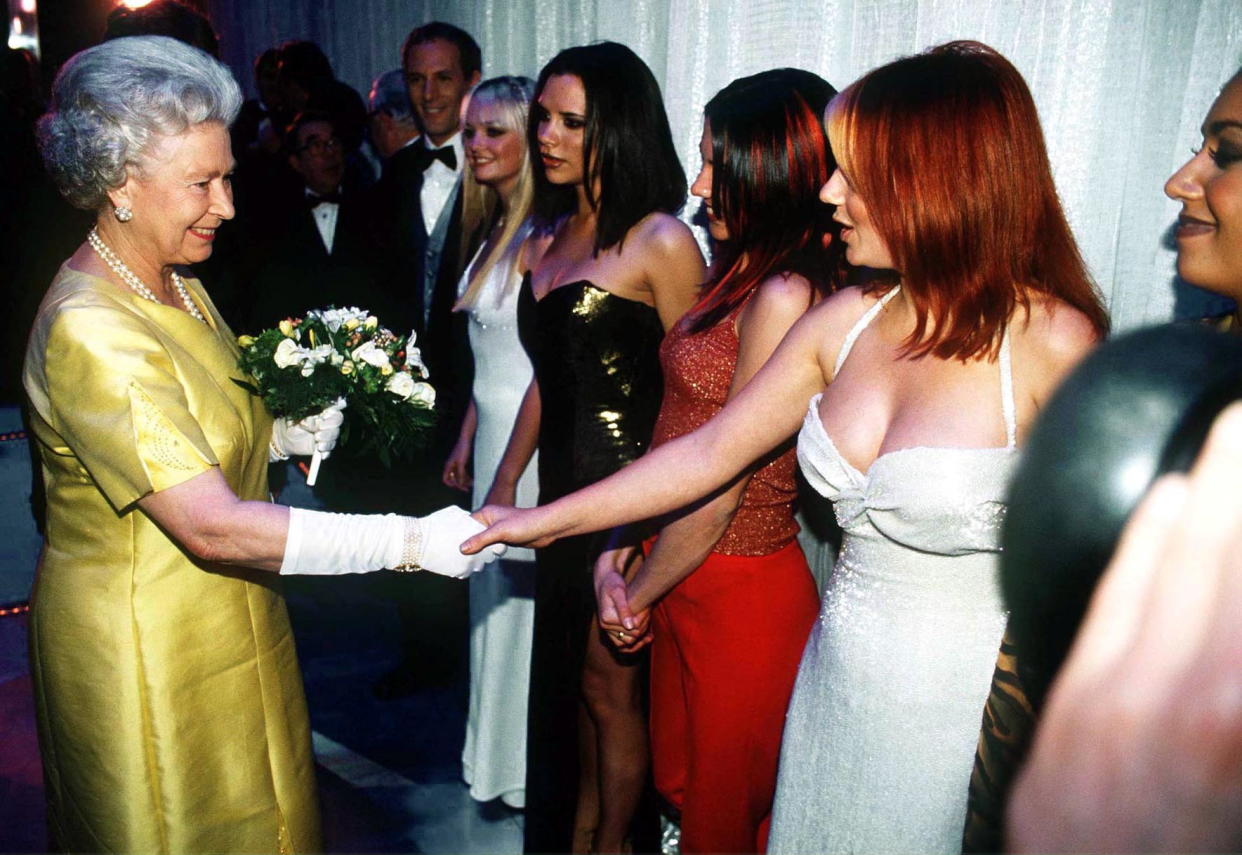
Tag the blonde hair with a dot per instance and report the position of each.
(513, 96)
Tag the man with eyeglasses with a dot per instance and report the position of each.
(317, 247)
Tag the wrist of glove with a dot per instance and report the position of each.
(328, 544)
(317, 433)
(433, 543)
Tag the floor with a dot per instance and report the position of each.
(389, 772)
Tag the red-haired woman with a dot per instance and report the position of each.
(921, 384)
(718, 698)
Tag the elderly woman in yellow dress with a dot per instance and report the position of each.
(170, 707)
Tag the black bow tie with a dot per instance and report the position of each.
(314, 200)
(445, 155)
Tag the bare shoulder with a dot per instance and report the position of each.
(1055, 335)
(663, 235)
(840, 310)
(825, 325)
(785, 289)
(776, 304)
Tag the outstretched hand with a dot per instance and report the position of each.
(514, 526)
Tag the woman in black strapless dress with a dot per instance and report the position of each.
(620, 270)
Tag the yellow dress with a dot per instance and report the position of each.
(170, 706)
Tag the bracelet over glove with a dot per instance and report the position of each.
(329, 544)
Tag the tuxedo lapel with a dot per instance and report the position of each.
(308, 234)
(402, 197)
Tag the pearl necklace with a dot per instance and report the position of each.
(137, 285)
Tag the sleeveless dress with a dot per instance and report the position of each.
(170, 708)
(502, 604)
(595, 356)
(885, 715)
(720, 686)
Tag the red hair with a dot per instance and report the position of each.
(946, 150)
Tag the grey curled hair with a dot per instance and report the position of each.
(110, 102)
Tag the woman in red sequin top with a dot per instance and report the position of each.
(718, 696)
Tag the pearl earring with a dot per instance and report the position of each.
(123, 214)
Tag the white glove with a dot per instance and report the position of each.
(313, 433)
(326, 544)
(442, 535)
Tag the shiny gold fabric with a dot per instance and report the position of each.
(170, 706)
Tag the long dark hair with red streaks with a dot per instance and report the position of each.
(770, 157)
(945, 149)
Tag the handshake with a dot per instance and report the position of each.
(440, 537)
(319, 543)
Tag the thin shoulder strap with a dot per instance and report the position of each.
(1007, 403)
(860, 325)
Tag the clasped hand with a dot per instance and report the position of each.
(317, 433)
(626, 630)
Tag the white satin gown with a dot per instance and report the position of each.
(502, 605)
(881, 732)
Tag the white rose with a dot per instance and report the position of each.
(369, 353)
(422, 393)
(287, 353)
(401, 384)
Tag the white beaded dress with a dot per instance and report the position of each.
(881, 732)
(502, 602)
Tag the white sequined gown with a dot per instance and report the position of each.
(880, 737)
(502, 604)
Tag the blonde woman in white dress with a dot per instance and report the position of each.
(501, 602)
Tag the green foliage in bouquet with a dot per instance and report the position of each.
(305, 364)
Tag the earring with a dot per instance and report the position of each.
(123, 214)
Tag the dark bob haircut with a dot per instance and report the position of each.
(630, 166)
(770, 158)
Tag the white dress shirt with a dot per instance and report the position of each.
(438, 182)
(325, 214)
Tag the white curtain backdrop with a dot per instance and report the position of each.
(1121, 85)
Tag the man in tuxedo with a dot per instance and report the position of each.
(441, 63)
(316, 246)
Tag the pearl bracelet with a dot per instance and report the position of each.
(274, 454)
(411, 547)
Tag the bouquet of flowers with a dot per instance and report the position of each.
(305, 364)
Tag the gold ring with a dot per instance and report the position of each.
(621, 635)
